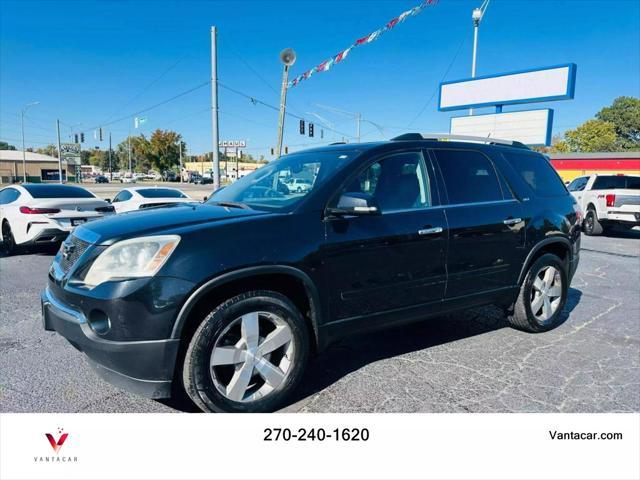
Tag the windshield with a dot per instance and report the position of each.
(282, 184)
(161, 193)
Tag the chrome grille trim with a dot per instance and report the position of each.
(76, 248)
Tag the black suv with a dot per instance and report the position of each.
(226, 300)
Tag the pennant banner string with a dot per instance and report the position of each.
(327, 64)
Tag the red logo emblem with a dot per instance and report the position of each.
(57, 444)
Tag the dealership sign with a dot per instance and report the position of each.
(531, 127)
(71, 153)
(232, 143)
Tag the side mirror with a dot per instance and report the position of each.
(355, 203)
(108, 200)
(205, 198)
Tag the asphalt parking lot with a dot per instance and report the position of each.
(469, 362)
(109, 190)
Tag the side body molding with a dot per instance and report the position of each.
(311, 290)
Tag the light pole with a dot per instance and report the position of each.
(288, 58)
(24, 153)
(476, 16)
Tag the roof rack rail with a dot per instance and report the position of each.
(459, 138)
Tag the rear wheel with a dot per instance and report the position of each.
(8, 241)
(248, 355)
(542, 296)
(592, 225)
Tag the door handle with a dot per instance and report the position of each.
(511, 221)
(430, 231)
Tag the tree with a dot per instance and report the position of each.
(164, 149)
(6, 146)
(591, 136)
(624, 114)
(50, 150)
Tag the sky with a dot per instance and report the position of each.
(93, 63)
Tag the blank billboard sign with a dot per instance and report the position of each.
(535, 85)
(531, 127)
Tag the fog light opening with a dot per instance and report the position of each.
(99, 322)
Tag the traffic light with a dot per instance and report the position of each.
(100, 133)
(75, 136)
(301, 127)
(311, 129)
(273, 151)
(286, 150)
(82, 138)
(321, 133)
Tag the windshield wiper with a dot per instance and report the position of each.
(244, 206)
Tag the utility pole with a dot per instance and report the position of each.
(110, 165)
(180, 145)
(130, 174)
(288, 58)
(24, 152)
(60, 153)
(215, 156)
(358, 117)
(476, 16)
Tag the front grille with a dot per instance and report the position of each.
(107, 209)
(72, 248)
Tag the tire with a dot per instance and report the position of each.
(592, 225)
(220, 388)
(523, 316)
(8, 241)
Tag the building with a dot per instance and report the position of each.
(40, 168)
(572, 165)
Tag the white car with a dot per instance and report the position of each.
(139, 198)
(40, 213)
(299, 185)
(607, 200)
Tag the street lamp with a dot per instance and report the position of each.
(288, 58)
(476, 16)
(24, 154)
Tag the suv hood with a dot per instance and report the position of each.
(155, 220)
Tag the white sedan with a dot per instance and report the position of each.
(40, 213)
(139, 198)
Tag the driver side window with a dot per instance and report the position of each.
(397, 182)
(578, 184)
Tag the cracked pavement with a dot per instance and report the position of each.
(465, 362)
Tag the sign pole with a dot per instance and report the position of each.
(59, 152)
(110, 165)
(215, 158)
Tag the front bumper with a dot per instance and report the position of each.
(142, 367)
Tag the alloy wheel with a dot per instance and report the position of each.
(252, 357)
(546, 294)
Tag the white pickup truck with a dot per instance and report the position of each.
(607, 200)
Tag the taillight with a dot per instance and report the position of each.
(611, 200)
(36, 211)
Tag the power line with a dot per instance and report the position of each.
(424, 107)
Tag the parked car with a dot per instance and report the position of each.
(140, 198)
(39, 214)
(101, 179)
(169, 176)
(228, 299)
(128, 179)
(608, 200)
(299, 185)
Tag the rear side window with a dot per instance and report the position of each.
(57, 191)
(8, 195)
(622, 182)
(538, 173)
(160, 193)
(468, 176)
(123, 196)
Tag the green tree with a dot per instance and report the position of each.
(140, 154)
(50, 150)
(591, 136)
(164, 149)
(6, 146)
(624, 114)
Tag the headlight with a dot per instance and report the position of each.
(137, 257)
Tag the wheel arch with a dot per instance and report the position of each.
(290, 281)
(559, 246)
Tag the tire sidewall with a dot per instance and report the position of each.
(198, 381)
(539, 264)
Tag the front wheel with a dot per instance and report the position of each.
(542, 296)
(247, 355)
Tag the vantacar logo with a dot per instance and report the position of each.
(56, 445)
